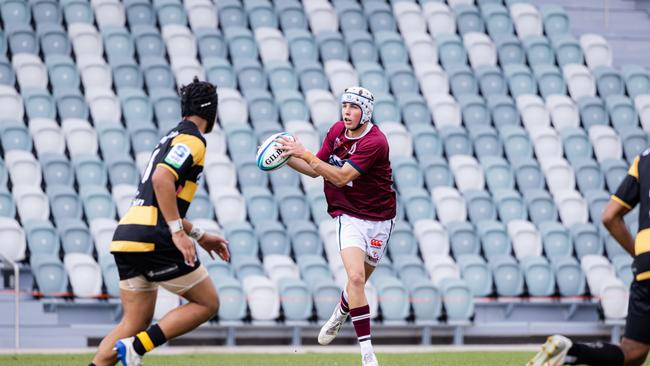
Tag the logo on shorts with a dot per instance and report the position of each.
(376, 243)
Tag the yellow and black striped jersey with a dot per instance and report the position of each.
(143, 228)
(633, 190)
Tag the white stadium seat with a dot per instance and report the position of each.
(450, 205)
(272, 45)
(13, 242)
(606, 143)
(559, 174)
(527, 20)
(220, 172)
(232, 107)
(104, 105)
(305, 132)
(180, 41)
(84, 273)
(642, 105)
(12, 103)
(468, 173)
(440, 268)
(547, 142)
(409, 17)
(279, 267)
(480, 49)
(102, 230)
(614, 297)
(533, 112)
(526, 240)
(48, 136)
(322, 16)
(80, 137)
(263, 297)
(432, 237)
(564, 112)
(109, 13)
(340, 75)
(85, 39)
(23, 168)
(123, 195)
(95, 72)
(31, 202)
(440, 19)
(229, 205)
(323, 107)
(399, 140)
(572, 207)
(30, 71)
(579, 81)
(596, 50)
(432, 78)
(422, 49)
(201, 14)
(597, 269)
(185, 69)
(445, 110)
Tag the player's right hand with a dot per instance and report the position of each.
(185, 245)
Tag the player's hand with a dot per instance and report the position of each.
(215, 243)
(185, 245)
(291, 147)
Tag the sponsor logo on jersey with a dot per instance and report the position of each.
(177, 155)
(353, 148)
(376, 243)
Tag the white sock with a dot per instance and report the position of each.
(366, 347)
(570, 359)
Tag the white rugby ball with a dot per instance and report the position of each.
(268, 155)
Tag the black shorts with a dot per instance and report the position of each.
(155, 266)
(637, 327)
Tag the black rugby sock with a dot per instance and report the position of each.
(146, 341)
(596, 354)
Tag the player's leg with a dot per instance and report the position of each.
(198, 289)
(138, 305)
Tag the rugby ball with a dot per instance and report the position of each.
(268, 155)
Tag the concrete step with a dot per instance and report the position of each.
(31, 313)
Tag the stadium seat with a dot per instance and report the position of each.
(39, 104)
(401, 79)
(7, 74)
(263, 297)
(592, 112)
(399, 140)
(48, 137)
(579, 81)
(461, 80)
(441, 268)
(606, 143)
(385, 109)
(467, 173)
(509, 204)
(456, 140)
(30, 71)
(450, 50)
(436, 172)
(42, 238)
(572, 207)
(311, 75)
(445, 110)
(567, 50)
(273, 238)
(15, 12)
(23, 168)
(123, 195)
(402, 241)
(241, 44)
(80, 137)
(457, 298)
(541, 207)
(507, 275)
(597, 269)
(76, 11)
(243, 240)
(433, 79)
(494, 239)
(432, 238)
(509, 50)
(527, 20)
(563, 111)
(22, 38)
(14, 248)
(476, 273)
(538, 50)
(621, 112)
(292, 204)
(479, 206)
(526, 240)
(7, 204)
(634, 141)
(394, 304)
(260, 204)
(65, 203)
(84, 273)
(586, 240)
(609, 81)
(232, 108)
(409, 18)
(95, 73)
(596, 50)
(491, 80)
(46, 12)
(97, 202)
(201, 14)
(148, 41)
(414, 109)
(380, 17)
(280, 267)
(614, 298)
(211, 44)
(540, 280)
(118, 43)
(486, 141)
(588, 174)
(520, 80)
(623, 267)
(407, 173)
(170, 12)
(109, 13)
(86, 40)
(102, 230)
(503, 110)
(322, 17)
(231, 13)
(450, 205)
(139, 12)
(372, 77)
(113, 140)
(576, 144)
(546, 142)
(497, 19)
(637, 80)
(57, 169)
(53, 39)
(417, 204)
(498, 173)
(422, 49)
(569, 276)
(516, 143)
(49, 274)
(556, 20)
(549, 80)
(273, 46)
(481, 51)
(559, 174)
(597, 200)
(122, 170)
(426, 141)
(341, 74)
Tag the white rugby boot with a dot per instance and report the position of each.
(126, 354)
(331, 328)
(553, 352)
(369, 359)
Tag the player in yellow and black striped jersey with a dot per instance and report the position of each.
(633, 350)
(154, 245)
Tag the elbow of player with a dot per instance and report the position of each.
(340, 183)
(608, 218)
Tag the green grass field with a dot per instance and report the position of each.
(308, 359)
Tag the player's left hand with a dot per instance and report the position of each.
(216, 243)
(291, 147)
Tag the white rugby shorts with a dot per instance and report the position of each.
(369, 236)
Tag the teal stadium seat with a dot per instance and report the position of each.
(463, 238)
(468, 19)
(497, 19)
(498, 173)
(260, 14)
(436, 172)
(304, 238)
(57, 169)
(7, 74)
(417, 205)
(127, 74)
(14, 135)
(426, 142)
(394, 299)
(597, 201)
(549, 80)
(476, 273)
(15, 12)
(414, 109)
(170, 12)
(588, 174)
(609, 81)
(541, 207)
(451, 50)
(39, 104)
(46, 12)
(292, 203)
(508, 277)
(231, 14)
(241, 44)
(402, 241)
(281, 76)
(210, 43)
(567, 49)
(250, 75)
(457, 298)
(491, 81)
(503, 109)
(296, 299)
(242, 240)
(637, 80)
(49, 274)
(139, 12)
(556, 239)
(157, 72)
(351, 17)
(614, 170)
(516, 143)
(623, 266)
(510, 205)
(326, 296)
(71, 104)
(634, 141)
(539, 276)
(391, 47)
(509, 50)
(479, 206)
(332, 46)
(53, 39)
(401, 79)
(75, 236)
(110, 275)
(136, 106)
(380, 17)
(622, 113)
(569, 276)
(166, 108)
(97, 202)
(302, 46)
(313, 269)
(144, 138)
(474, 111)
(592, 112)
(122, 170)
(42, 238)
(520, 80)
(586, 240)
(372, 77)
(113, 139)
(77, 11)
(117, 43)
(291, 15)
(201, 207)
(64, 203)
(576, 144)
(248, 174)
(232, 306)
(273, 238)
(311, 76)
(148, 41)
(456, 141)
(407, 173)
(284, 178)
(219, 71)
(360, 44)
(410, 268)
(426, 300)
(318, 205)
(260, 204)
(538, 51)
(385, 109)
(7, 204)
(556, 20)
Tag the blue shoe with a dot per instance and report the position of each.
(126, 354)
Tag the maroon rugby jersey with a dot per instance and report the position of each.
(371, 195)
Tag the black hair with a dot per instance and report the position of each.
(199, 98)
